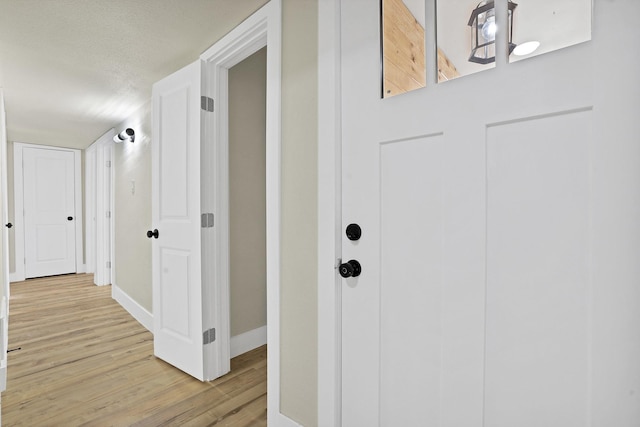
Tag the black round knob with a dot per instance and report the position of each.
(153, 233)
(353, 232)
(350, 268)
(69, 218)
(9, 225)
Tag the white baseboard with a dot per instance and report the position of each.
(13, 277)
(249, 340)
(82, 268)
(136, 310)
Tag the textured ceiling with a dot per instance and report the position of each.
(72, 69)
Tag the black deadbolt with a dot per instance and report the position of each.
(153, 233)
(353, 232)
(9, 225)
(69, 218)
(350, 268)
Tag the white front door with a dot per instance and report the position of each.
(49, 212)
(497, 215)
(176, 254)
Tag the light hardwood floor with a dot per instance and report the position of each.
(84, 361)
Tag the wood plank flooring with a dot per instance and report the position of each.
(81, 360)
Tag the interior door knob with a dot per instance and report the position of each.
(153, 234)
(69, 218)
(350, 268)
(9, 225)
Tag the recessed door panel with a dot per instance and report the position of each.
(538, 272)
(174, 292)
(174, 153)
(411, 280)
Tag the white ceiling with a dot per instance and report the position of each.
(72, 69)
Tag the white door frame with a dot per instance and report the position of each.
(98, 193)
(90, 208)
(263, 28)
(19, 274)
(4, 280)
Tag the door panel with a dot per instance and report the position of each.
(537, 327)
(410, 315)
(477, 202)
(176, 253)
(49, 200)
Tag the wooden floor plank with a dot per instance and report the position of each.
(83, 360)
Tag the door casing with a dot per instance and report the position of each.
(4, 262)
(262, 29)
(98, 200)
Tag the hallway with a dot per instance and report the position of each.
(78, 358)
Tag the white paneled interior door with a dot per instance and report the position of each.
(49, 212)
(176, 253)
(497, 212)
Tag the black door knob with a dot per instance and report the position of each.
(69, 218)
(153, 233)
(350, 269)
(353, 232)
(9, 225)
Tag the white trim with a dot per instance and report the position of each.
(248, 341)
(79, 208)
(4, 262)
(112, 224)
(18, 217)
(81, 269)
(90, 207)
(18, 186)
(103, 205)
(240, 43)
(13, 277)
(329, 214)
(260, 29)
(133, 308)
(98, 184)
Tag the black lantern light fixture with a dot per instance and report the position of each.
(483, 32)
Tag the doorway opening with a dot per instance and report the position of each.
(247, 85)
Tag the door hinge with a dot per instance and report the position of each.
(108, 163)
(206, 103)
(108, 214)
(207, 220)
(108, 264)
(209, 336)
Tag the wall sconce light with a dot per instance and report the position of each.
(126, 135)
(483, 32)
